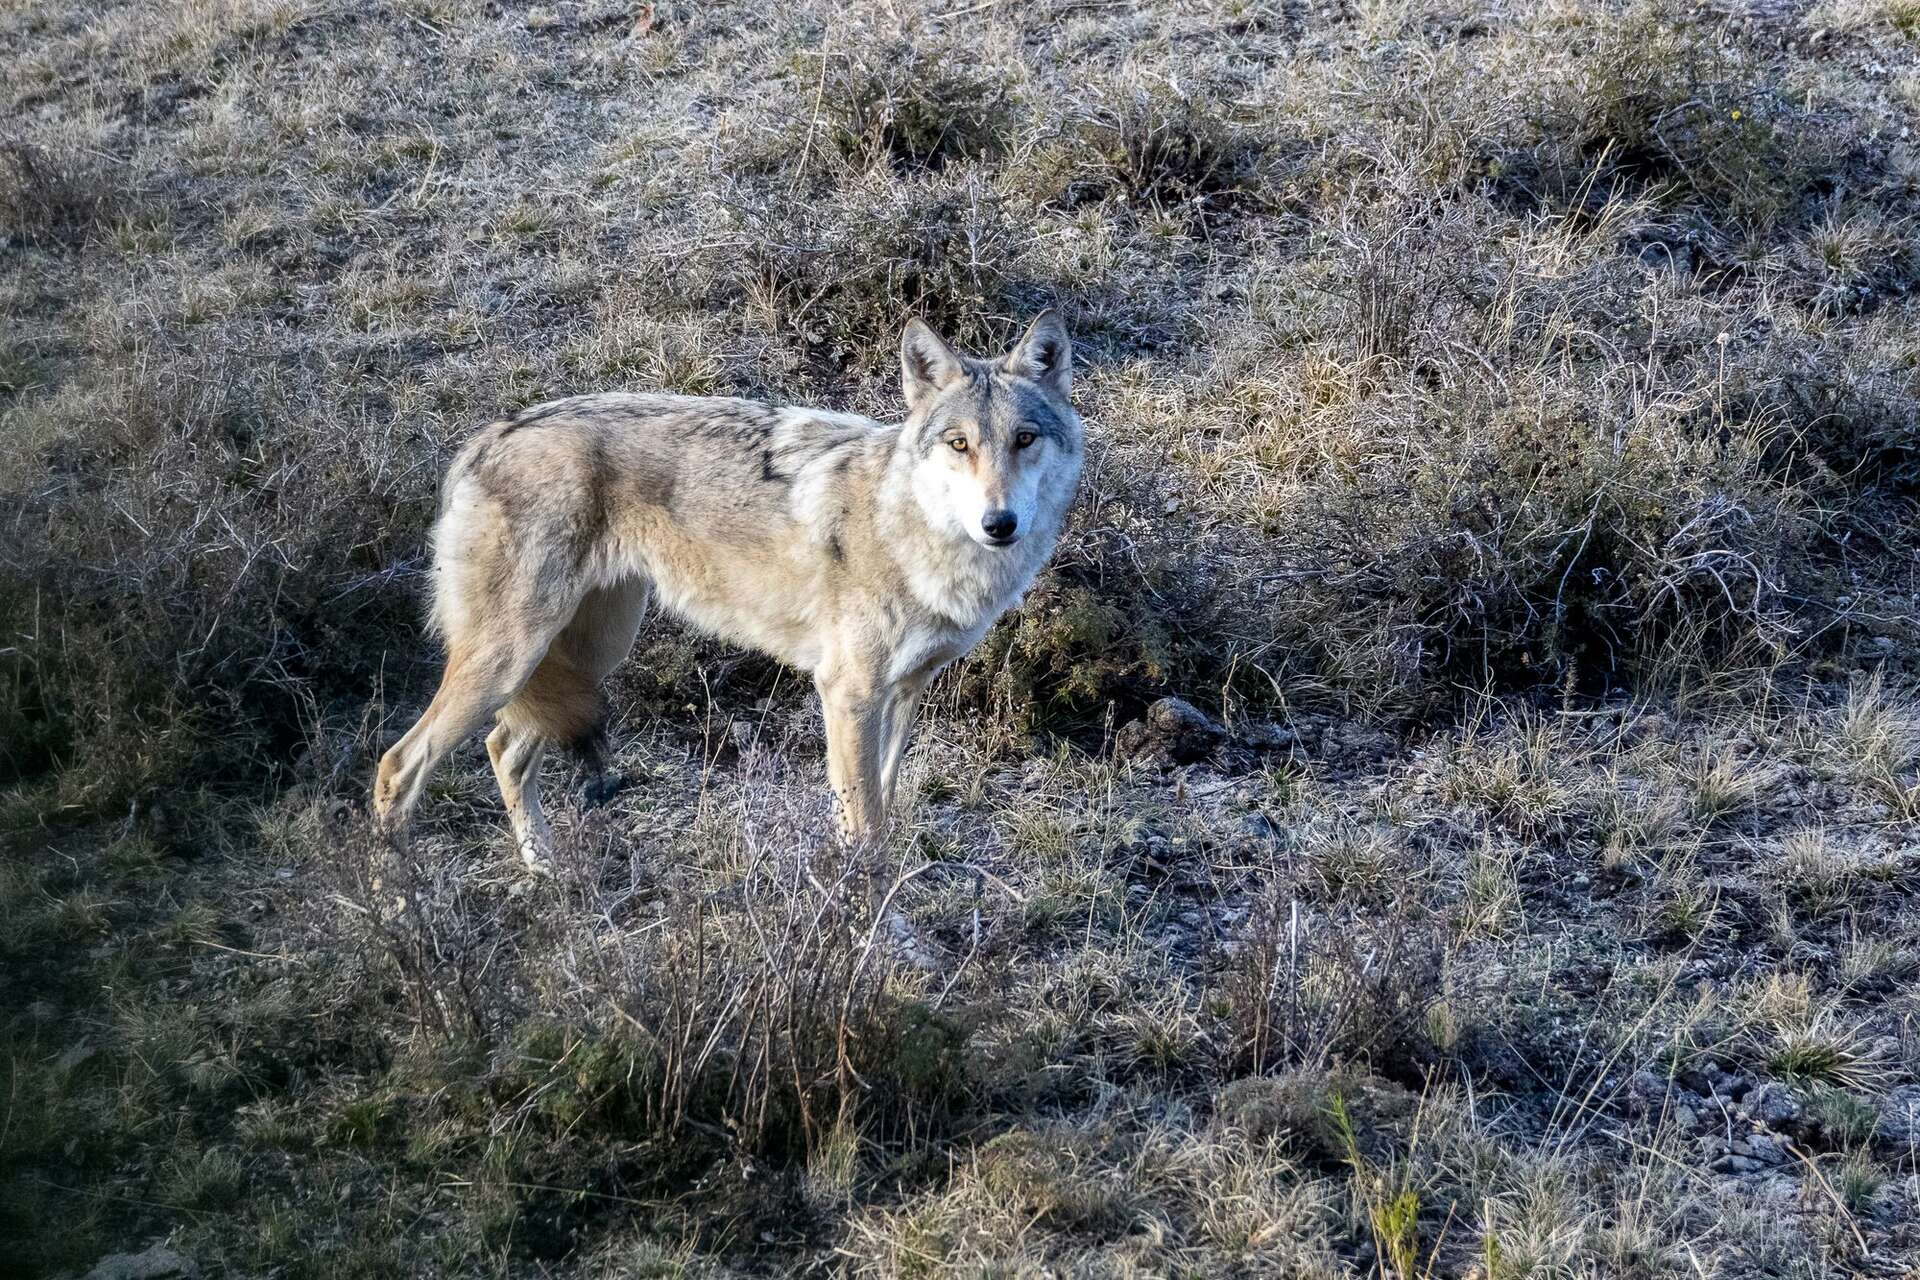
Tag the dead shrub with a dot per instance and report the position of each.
(202, 546)
(1070, 651)
(837, 281)
(54, 199)
(1403, 262)
(1315, 989)
(911, 104)
(1657, 103)
(416, 924)
(779, 1026)
(1849, 421)
(1162, 149)
(760, 1008)
(1505, 541)
(765, 1007)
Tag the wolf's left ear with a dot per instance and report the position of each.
(1045, 354)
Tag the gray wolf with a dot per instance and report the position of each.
(865, 554)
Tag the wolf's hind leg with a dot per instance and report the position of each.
(558, 704)
(478, 681)
(596, 641)
(516, 759)
(561, 704)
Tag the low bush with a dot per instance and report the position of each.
(56, 198)
(909, 104)
(1161, 149)
(834, 283)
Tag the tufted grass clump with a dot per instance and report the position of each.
(912, 104)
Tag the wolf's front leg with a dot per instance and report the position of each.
(865, 728)
(903, 707)
(856, 742)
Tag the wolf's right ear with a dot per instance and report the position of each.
(927, 365)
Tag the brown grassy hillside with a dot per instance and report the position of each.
(1504, 424)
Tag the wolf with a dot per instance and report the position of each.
(867, 555)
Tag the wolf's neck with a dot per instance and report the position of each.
(947, 573)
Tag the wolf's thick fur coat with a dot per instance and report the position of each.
(868, 555)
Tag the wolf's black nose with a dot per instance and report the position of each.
(999, 524)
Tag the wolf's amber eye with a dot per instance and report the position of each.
(957, 444)
(1022, 440)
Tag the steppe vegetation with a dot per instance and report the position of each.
(1505, 429)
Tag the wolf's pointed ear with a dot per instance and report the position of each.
(926, 363)
(1045, 354)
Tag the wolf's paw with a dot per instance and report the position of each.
(602, 789)
(537, 859)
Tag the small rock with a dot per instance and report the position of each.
(1269, 737)
(1715, 1081)
(1646, 1093)
(1731, 1163)
(1178, 718)
(1772, 1105)
(157, 1262)
(1900, 1117)
(1263, 827)
(1173, 730)
(1135, 742)
(1649, 1096)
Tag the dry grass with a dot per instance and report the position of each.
(1506, 422)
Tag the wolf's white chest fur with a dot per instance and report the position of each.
(960, 596)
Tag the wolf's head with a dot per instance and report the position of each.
(995, 444)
